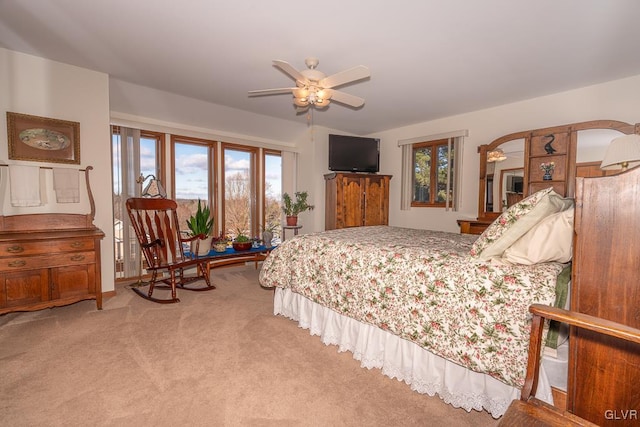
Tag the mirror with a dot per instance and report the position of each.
(496, 176)
(511, 187)
(512, 161)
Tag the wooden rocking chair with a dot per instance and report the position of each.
(529, 411)
(155, 222)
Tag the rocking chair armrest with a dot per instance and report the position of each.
(153, 243)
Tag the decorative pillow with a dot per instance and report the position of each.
(549, 240)
(516, 221)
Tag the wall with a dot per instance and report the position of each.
(39, 87)
(616, 100)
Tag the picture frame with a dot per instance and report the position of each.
(43, 139)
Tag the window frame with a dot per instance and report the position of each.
(253, 182)
(433, 173)
(212, 176)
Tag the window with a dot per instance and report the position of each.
(193, 172)
(135, 153)
(433, 177)
(431, 170)
(239, 191)
(242, 185)
(272, 206)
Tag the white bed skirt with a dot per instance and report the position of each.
(425, 372)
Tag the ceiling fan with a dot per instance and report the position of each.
(315, 89)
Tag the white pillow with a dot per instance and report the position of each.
(549, 240)
(516, 221)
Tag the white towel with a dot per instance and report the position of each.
(65, 183)
(25, 185)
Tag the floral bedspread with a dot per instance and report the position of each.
(422, 286)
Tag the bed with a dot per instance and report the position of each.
(444, 312)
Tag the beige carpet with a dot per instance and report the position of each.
(218, 358)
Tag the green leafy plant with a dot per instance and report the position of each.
(270, 227)
(241, 237)
(293, 208)
(201, 222)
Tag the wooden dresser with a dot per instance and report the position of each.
(49, 260)
(355, 200)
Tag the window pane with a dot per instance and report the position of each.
(191, 179)
(441, 172)
(422, 174)
(148, 159)
(237, 192)
(273, 194)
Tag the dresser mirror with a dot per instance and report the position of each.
(504, 162)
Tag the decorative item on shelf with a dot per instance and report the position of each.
(267, 234)
(548, 148)
(623, 153)
(200, 224)
(219, 244)
(548, 170)
(242, 242)
(291, 209)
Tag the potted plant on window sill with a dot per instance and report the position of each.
(242, 242)
(200, 224)
(292, 209)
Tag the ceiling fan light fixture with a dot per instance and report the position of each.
(302, 92)
(314, 88)
(301, 102)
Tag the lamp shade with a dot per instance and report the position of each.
(622, 153)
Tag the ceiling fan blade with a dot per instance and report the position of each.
(288, 69)
(347, 99)
(278, 91)
(347, 76)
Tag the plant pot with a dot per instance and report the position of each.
(220, 247)
(242, 246)
(267, 237)
(292, 221)
(204, 248)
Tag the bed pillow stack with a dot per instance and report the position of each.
(521, 218)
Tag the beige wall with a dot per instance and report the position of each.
(36, 86)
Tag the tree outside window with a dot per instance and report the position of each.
(433, 169)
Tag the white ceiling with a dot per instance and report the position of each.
(428, 58)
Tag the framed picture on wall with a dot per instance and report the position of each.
(41, 139)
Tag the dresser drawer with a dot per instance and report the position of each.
(47, 261)
(45, 247)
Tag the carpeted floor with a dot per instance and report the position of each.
(217, 358)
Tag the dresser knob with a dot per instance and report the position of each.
(77, 258)
(18, 263)
(15, 249)
(76, 245)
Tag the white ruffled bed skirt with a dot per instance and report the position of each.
(425, 372)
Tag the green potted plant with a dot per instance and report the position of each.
(242, 242)
(201, 224)
(292, 208)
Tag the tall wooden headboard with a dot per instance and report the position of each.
(606, 284)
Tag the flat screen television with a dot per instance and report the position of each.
(515, 184)
(354, 154)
